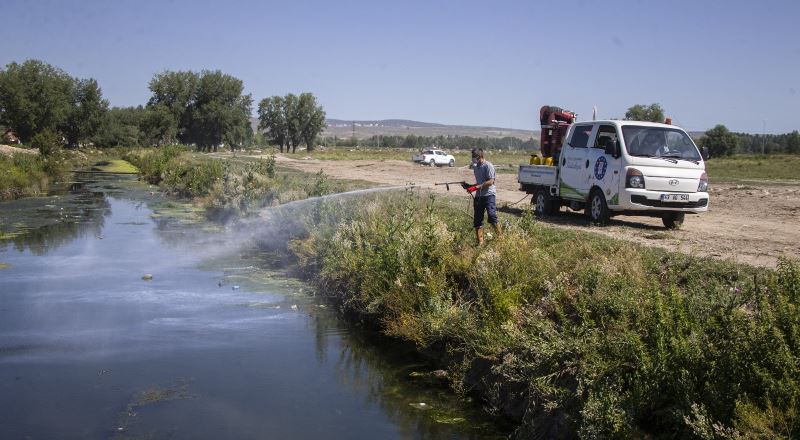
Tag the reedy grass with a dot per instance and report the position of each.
(567, 332)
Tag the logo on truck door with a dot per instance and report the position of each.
(600, 168)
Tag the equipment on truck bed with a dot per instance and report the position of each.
(554, 123)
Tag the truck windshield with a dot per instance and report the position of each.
(646, 141)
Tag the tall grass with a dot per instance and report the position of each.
(569, 333)
(27, 174)
(227, 188)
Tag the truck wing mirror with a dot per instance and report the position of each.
(612, 148)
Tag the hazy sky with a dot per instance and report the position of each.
(455, 62)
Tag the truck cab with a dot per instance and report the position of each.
(625, 167)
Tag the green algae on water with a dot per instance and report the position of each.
(117, 166)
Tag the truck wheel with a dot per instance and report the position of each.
(598, 209)
(673, 220)
(542, 203)
(452, 163)
(433, 163)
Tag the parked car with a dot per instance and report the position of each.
(434, 158)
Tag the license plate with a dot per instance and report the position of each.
(674, 197)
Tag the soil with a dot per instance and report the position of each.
(753, 222)
(8, 150)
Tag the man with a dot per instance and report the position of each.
(484, 191)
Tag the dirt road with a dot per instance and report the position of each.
(753, 222)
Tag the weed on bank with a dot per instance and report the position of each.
(570, 334)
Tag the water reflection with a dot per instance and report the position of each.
(42, 224)
(83, 338)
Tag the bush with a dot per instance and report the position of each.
(583, 336)
(47, 141)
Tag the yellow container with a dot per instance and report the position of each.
(535, 160)
(548, 161)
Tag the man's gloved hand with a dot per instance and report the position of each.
(472, 189)
(464, 185)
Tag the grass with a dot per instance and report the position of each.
(231, 187)
(569, 333)
(746, 167)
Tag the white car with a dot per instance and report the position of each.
(434, 158)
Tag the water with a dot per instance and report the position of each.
(217, 348)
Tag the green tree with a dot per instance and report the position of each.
(158, 126)
(34, 96)
(652, 113)
(793, 143)
(219, 111)
(88, 113)
(204, 109)
(121, 128)
(312, 119)
(720, 141)
(173, 93)
(272, 120)
(291, 111)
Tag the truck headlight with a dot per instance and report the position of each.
(703, 185)
(634, 179)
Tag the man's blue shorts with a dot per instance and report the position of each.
(481, 204)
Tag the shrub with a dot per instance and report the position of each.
(584, 335)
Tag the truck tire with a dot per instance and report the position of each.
(452, 163)
(433, 163)
(542, 203)
(597, 209)
(673, 220)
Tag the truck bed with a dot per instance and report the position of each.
(537, 175)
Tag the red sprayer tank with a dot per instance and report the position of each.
(554, 122)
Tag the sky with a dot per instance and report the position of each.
(489, 63)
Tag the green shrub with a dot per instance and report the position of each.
(590, 336)
(47, 141)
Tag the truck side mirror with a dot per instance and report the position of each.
(612, 148)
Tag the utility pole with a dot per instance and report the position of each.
(763, 135)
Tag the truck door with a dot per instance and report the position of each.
(574, 158)
(604, 168)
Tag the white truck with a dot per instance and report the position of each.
(434, 158)
(614, 167)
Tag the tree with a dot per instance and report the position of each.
(121, 127)
(158, 126)
(793, 142)
(272, 120)
(291, 111)
(720, 141)
(652, 113)
(35, 96)
(312, 119)
(88, 113)
(204, 109)
(219, 110)
(173, 93)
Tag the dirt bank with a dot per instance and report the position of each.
(755, 222)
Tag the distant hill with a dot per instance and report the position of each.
(343, 128)
(402, 127)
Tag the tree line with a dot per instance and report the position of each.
(44, 105)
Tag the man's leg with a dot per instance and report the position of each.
(492, 214)
(477, 218)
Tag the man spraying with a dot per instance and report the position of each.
(484, 191)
